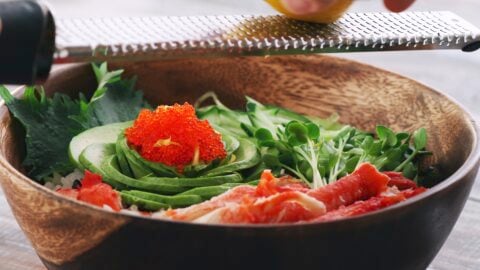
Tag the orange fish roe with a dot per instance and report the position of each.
(173, 135)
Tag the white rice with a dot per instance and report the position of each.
(59, 181)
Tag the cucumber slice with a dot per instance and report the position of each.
(231, 144)
(102, 134)
(94, 155)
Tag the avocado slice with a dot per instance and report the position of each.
(173, 201)
(132, 159)
(112, 171)
(246, 156)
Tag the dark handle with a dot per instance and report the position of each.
(27, 42)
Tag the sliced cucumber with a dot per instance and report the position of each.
(231, 144)
(94, 156)
(102, 134)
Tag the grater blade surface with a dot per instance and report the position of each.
(140, 38)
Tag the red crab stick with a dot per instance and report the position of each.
(270, 185)
(281, 205)
(94, 191)
(397, 179)
(276, 200)
(363, 183)
(289, 206)
(195, 211)
(370, 205)
(246, 196)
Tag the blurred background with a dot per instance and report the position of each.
(452, 72)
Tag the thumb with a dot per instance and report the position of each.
(398, 5)
(304, 7)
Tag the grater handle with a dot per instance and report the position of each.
(27, 42)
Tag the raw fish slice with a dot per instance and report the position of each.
(363, 183)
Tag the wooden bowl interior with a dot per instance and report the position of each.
(363, 96)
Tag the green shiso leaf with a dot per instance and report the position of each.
(51, 123)
(114, 101)
(48, 129)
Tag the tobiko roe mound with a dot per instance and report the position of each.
(174, 136)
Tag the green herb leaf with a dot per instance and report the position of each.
(263, 134)
(387, 135)
(297, 132)
(420, 138)
(51, 123)
(313, 131)
(120, 103)
(319, 151)
(104, 77)
(48, 129)
(409, 171)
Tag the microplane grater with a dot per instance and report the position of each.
(210, 36)
(31, 40)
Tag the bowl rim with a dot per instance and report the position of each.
(467, 167)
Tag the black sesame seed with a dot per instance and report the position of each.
(77, 184)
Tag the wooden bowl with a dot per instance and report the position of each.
(68, 234)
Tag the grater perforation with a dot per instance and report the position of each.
(210, 36)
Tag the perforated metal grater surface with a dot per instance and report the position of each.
(209, 36)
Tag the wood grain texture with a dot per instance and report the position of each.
(461, 249)
(58, 230)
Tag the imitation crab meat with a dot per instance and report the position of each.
(286, 200)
